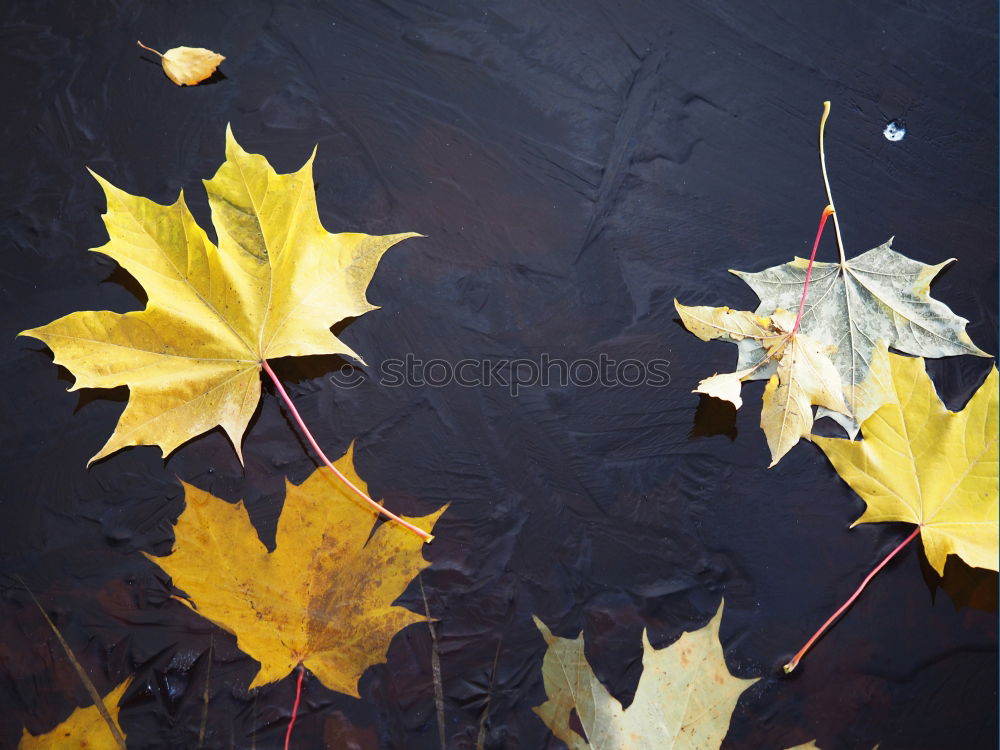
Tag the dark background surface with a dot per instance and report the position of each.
(575, 166)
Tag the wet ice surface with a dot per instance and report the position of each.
(894, 131)
(573, 169)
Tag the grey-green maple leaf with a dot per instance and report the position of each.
(875, 301)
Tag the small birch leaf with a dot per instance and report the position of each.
(188, 66)
(879, 299)
(684, 700)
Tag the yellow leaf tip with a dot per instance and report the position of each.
(543, 629)
(231, 142)
(103, 182)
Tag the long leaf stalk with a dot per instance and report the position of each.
(295, 706)
(329, 464)
(827, 212)
(826, 181)
(833, 618)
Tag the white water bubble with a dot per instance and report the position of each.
(894, 131)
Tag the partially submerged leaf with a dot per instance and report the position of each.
(272, 288)
(923, 464)
(188, 66)
(799, 370)
(684, 700)
(84, 729)
(324, 597)
(879, 299)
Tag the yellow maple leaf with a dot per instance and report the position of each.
(684, 700)
(84, 729)
(923, 464)
(272, 288)
(188, 66)
(799, 370)
(323, 597)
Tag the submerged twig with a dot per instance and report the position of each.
(435, 667)
(484, 716)
(204, 694)
(81, 673)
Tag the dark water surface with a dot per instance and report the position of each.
(575, 166)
